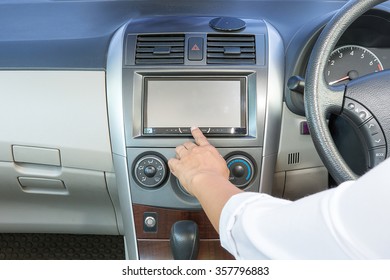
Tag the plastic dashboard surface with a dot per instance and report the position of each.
(76, 34)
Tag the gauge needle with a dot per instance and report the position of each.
(339, 80)
(350, 76)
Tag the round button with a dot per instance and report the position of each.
(150, 222)
(150, 171)
(238, 170)
(241, 170)
(356, 112)
(363, 115)
(351, 106)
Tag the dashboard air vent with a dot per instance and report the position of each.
(231, 49)
(160, 49)
(293, 158)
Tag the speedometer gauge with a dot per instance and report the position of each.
(350, 62)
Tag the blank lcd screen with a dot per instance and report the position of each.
(194, 102)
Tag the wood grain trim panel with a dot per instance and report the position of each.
(161, 250)
(156, 246)
(167, 217)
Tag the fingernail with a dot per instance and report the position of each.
(193, 128)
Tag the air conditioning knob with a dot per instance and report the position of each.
(241, 170)
(150, 171)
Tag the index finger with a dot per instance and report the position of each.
(200, 139)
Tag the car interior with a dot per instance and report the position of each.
(96, 95)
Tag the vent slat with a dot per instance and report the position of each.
(155, 56)
(230, 61)
(151, 50)
(160, 44)
(160, 49)
(163, 38)
(159, 61)
(231, 49)
(222, 49)
(230, 44)
(232, 38)
(231, 56)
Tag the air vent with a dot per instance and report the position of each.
(231, 49)
(160, 49)
(293, 158)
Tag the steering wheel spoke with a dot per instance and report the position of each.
(333, 99)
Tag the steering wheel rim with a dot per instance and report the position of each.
(322, 99)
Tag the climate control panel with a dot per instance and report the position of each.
(150, 171)
(241, 170)
(151, 182)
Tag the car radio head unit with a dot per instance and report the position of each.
(217, 105)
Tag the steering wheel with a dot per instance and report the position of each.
(365, 101)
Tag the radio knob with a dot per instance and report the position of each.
(150, 171)
(241, 170)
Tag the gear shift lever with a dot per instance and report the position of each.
(184, 240)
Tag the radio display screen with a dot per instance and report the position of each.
(173, 105)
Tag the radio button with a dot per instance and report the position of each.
(377, 156)
(372, 127)
(148, 130)
(356, 111)
(373, 133)
(171, 131)
(185, 130)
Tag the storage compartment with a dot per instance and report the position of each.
(47, 199)
(56, 118)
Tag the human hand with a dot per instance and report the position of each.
(196, 161)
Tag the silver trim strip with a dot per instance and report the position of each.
(274, 107)
(117, 135)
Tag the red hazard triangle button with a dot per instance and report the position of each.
(195, 48)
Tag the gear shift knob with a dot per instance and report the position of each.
(184, 240)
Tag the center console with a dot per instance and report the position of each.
(165, 75)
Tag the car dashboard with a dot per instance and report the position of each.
(96, 95)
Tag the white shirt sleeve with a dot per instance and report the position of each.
(347, 222)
